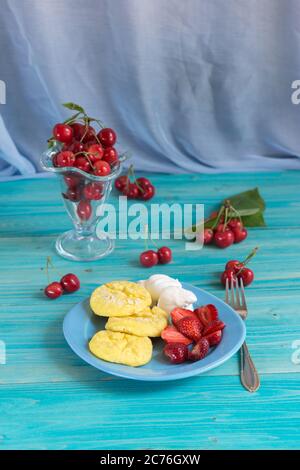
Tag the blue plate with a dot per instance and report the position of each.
(80, 324)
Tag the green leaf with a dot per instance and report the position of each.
(248, 200)
(255, 220)
(244, 212)
(74, 107)
(250, 206)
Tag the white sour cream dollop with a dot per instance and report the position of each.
(173, 296)
(157, 283)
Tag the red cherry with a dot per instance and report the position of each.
(78, 130)
(70, 282)
(239, 234)
(131, 191)
(73, 194)
(149, 258)
(229, 274)
(222, 228)
(235, 224)
(53, 290)
(76, 147)
(82, 163)
(247, 275)
(72, 180)
(233, 264)
(164, 255)
(95, 152)
(121, 182)
(65, 159)
(146, 193)
(101, 168)
(110, 155)
(208, 236)
(63, 133)
(224, 239)
(107, 137)
(88, 133)
(144, 182)
(84, 210)
(93, 191)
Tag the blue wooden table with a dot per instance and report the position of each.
(50, 399)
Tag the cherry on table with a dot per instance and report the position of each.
(84, 210)
(230, 275)
(164, 255)
(149, 258)
(239, 234)
(107, 137)
(233, 264)
(146, 193)
(70, 282)
(208, 236)
(235, 224)
(121, 182)
(144, 182)
(247, 276)
(131, 191)
(63, 133)
(224, 239)
(53, 290)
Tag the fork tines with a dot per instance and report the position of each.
(236, 298)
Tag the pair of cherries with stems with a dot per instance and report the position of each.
(140, 188)
(68, 283)
(149, 258)
(236, 270)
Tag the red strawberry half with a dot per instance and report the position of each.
(207, 314)
(214, 338)
(179, 313)
(190, 327)
(200, 350)
(176, 352)
(213, 326)
(171, 335)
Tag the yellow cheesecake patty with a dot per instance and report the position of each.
(121, 348)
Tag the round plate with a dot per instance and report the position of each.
(80, 324)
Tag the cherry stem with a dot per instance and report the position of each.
(49, 263)
(225, 218)
(247, 259)
(218, 217)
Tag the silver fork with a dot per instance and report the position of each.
(237, 300)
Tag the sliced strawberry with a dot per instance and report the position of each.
(190, 327)
(207, 314)
(200, 350)
(171, 335)
(176, 352)
(214, 338)
(213, 326)
(179, 313)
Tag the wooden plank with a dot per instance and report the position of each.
(199, 413)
